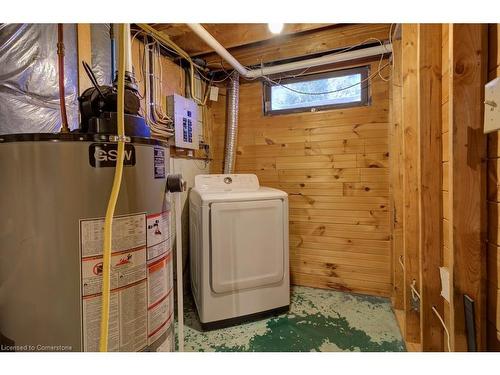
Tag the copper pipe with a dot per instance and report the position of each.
(62, 95)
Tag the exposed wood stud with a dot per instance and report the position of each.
(429, 117)
(468, 62)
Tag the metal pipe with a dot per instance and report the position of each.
(281, 68)
(62, 91)
(233, 95)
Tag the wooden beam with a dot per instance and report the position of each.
(411, 212)
(303, 44)
(84, 53)
(396, 178)
(429, 117)
(232, 35)
(468, 152)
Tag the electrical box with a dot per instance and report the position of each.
(492, 106)
(184, 113)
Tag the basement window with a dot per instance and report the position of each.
(316, 92)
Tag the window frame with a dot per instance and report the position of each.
(365, 95)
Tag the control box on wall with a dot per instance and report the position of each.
(184, 113)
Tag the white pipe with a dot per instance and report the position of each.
(178, 246)
(217, 47)
(128, 49)
(281, 68)
(319, 61)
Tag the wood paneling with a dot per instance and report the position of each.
(493, 285)
(334, 166)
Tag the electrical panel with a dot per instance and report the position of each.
(184, 113)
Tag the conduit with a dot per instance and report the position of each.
(123, 35)
(62, 91)
(281, 68)
(233, 99)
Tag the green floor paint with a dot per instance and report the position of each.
(318, 320)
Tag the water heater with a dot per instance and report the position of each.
(53, 197)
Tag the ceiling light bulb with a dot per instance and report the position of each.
(275, 28)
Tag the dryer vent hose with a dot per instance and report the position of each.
(233, 98)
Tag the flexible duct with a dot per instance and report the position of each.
(233, 98)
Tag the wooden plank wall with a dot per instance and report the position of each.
(493, 327)
(334, 166)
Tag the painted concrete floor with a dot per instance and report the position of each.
(318, 320)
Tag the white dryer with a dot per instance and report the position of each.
(238, 249)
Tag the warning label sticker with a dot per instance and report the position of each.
(158, 234)
(127, 319)
(128, 233)
(160, 277)
(141, 299)
(159, 162)
(127, 267)
(128, 315)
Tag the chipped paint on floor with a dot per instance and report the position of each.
(318, 320)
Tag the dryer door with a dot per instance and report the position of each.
(247, 244)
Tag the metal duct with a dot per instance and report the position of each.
(233, 98)
(29, 90)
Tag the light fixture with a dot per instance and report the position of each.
(275, 28)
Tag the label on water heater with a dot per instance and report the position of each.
(104, 155)
(160, 276)
(128, 317)
(141, 298)
(159, 162)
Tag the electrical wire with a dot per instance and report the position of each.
(444, 327)
(400, 259)
(115, 190)
(167, 42)
(369, 78)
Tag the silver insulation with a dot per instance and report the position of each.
(29, 91)
(101, 53)
(233, 98)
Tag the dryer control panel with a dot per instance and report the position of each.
(226, 182)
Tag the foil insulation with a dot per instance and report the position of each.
(29, 91)
(101, 53)
(233, 98)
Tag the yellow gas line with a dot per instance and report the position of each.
(108, 222)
